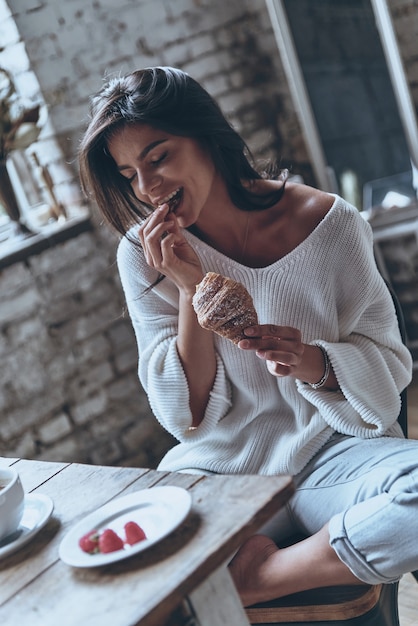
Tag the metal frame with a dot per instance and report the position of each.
(301, 100)
(397, 75)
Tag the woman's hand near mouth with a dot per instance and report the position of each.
(167, 250)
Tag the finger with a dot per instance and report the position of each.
(278, 369)
(157, 217)
(152, 238)
(283, 357)
(152, 245)
(271, 330)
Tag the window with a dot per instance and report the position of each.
(349, 88)
(39, 196)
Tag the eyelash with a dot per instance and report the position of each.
(152, 163)
(159, 160)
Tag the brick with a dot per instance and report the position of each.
(41, 22)
(27, 331)
(217, 84)
(121, 334)
(208, 65)
(125, 387)
(260, 139)
(177, 53)
(90, 408)
(75, 277)
(27, 377)
(145, 443)
(93, 350)
(105, 452)
(95, 322)
(126, 361)
(18, 420)
(19, 306)
(137, 435)
(20, 7)
(68, 450)
(13, 279)
(111, 424)
(59, 257)
(24, 447)
(60, 367)
(6, 395)
(54, 429)
(90, 381)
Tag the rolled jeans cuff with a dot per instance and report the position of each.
(351, 556)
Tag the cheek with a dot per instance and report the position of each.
(207, 174)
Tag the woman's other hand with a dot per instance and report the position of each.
(280, 346)
(286, 355)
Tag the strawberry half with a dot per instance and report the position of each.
(133, 533)
(89, 542)
(109, 541)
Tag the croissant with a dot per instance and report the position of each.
(224, 306)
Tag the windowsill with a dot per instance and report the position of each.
(20, 247)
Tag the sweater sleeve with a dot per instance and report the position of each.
(154, 316)
(370, 361)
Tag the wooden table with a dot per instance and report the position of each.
(186, 568)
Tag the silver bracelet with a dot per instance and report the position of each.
(327, 362)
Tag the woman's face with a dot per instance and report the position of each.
(164, 168)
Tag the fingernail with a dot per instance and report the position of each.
(249, 331)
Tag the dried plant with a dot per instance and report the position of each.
(20, 122)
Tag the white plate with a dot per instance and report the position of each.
(37, 511)
(158, 511)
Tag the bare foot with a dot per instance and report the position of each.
(261, 571)
(249, 569)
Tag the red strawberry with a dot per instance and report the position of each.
(134, 533)
(89, 542)
(109, 541)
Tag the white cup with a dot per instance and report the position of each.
(12, 502)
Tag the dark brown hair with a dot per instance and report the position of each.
(170, 100)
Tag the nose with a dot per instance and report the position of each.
(147, 182)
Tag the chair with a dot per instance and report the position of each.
(356, 605)
(351, 605)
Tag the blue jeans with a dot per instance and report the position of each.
(367, 489)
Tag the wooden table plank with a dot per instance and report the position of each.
(34, 474)
(36, 588)
(6, 461)
(76, 491)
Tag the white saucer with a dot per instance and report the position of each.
(37, 511)
(158, 510)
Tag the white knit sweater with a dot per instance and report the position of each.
(329, 288)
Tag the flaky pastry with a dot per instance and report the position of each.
(224, 306)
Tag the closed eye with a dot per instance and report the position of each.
(128, 178)
(158, 160)
(153, 163)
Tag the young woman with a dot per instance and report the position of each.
(313, 390)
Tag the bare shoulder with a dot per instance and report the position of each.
(304, 200)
